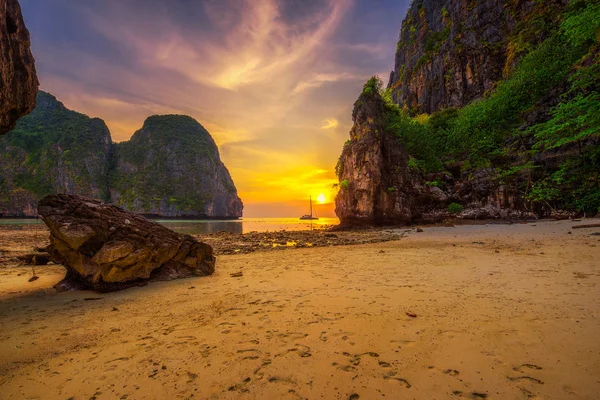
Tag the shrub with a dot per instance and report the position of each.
(345, 184)
(373, 85)
(455, 208)
(412, 163)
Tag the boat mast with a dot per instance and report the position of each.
(310, 199)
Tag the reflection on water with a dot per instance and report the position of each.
(247, 225)
(196, 227)
(192, 227)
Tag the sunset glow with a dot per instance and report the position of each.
(272, 81)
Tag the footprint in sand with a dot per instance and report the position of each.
(523, 368)
(301, 350)
(525, 378)
(249, 354)
(345, 368)
(258, 371)
(344, 335)
(355, 360)
(402, 381)
(281, 379)
(530, 395)
(240, 387)
(293, 335)
(405, 343)
(451, 372)
(472, 395)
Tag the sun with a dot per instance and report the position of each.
(321, 198)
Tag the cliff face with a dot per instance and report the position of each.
(495, 105)
(18, 79)
(52, 150)
(377, 185)
(171, 167)
(451, 52)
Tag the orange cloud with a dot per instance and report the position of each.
(330, 124)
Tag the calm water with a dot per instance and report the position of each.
(239, 226)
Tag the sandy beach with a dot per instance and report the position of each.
(465, 312)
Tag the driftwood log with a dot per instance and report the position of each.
(586, 226)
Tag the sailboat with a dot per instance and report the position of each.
(309, 216)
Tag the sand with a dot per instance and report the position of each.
(466, 312)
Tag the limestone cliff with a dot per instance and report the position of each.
(52, 150)
(377, 184)
(451, 52)
(18, 79)
(171, 167)
(495, 105)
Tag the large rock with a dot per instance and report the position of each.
(18, 80)
(106, 248)
(377, 185)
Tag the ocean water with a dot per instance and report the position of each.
(195, 227)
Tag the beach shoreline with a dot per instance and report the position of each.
(493, 311)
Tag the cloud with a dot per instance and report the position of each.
(330, 123)
(318, 80)
(257, 44)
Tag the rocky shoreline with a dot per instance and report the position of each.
(19, 240)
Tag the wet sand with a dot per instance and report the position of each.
(466, 312)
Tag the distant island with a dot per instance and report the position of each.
(170, 168)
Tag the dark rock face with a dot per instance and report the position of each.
(451, 52)
(18, 79)
(106, 248)
(377, 187)
(171, 167)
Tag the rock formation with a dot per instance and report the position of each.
(170, 168)
(18, 80)
(377, 186)
(490, 112)
(451, 52)
(106, 248)
(53, 150)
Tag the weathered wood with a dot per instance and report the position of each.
(586, 226)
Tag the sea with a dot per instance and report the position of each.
(244, 225)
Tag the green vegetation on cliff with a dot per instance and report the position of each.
(172, 167)
(54, 150)
(538, 130)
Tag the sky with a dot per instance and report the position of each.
(273, 81)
